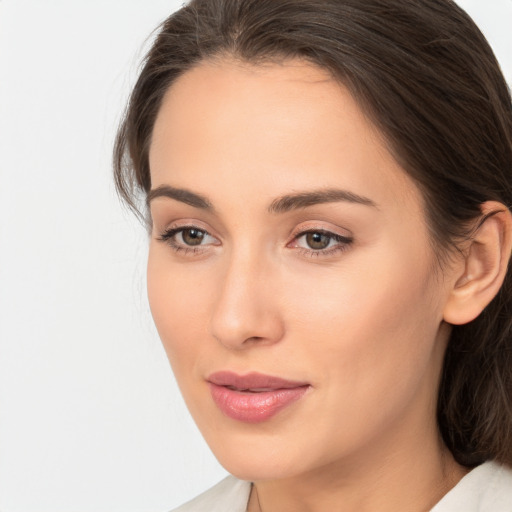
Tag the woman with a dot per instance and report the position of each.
(327, 186)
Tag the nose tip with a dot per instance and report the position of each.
(241, 334)
(246, 312)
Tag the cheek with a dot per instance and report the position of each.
(372, 293)
(177, 298)
(369, 331)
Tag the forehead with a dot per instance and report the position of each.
(269, 127)
(235, 100)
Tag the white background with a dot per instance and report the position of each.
(90, 416)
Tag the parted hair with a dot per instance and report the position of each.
(425, 75)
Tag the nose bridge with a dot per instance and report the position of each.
(245, 309)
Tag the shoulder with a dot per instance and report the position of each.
(487, 488)
(229, 494)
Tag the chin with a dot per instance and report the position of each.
(259, 458)
(257, 470)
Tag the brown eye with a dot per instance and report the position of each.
(192, 236)
(318, 240)
(189, 239)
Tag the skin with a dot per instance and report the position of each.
(363, 323)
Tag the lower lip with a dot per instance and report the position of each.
(254, 407)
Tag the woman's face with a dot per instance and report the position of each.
(287, 243)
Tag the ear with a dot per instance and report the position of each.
(484, 267)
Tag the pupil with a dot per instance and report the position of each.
(192, 236)
(318, 240)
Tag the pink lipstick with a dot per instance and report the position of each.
(254, 397)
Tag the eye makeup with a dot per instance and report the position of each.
(313, 242)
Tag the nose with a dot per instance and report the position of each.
(246, 310)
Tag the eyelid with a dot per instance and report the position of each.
(184, 223)
(179, 229)
(165, 223)
(320, 227)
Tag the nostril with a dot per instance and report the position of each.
(254, 338)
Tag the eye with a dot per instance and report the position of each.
(187, 238)
(192, 236)
(319, 242)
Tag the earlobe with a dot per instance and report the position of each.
(484, 266)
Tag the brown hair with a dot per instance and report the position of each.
(428, 79)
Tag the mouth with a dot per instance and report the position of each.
(254, 397)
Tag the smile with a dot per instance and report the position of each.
(254, 397)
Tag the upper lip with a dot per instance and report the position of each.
(252, 381)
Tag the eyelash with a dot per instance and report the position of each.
(168, 237)
(343, 242)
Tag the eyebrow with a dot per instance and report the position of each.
(180, 194)
(310, 198)
(282, 204)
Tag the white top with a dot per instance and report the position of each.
(487, 488)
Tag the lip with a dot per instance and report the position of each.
(254, 397)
